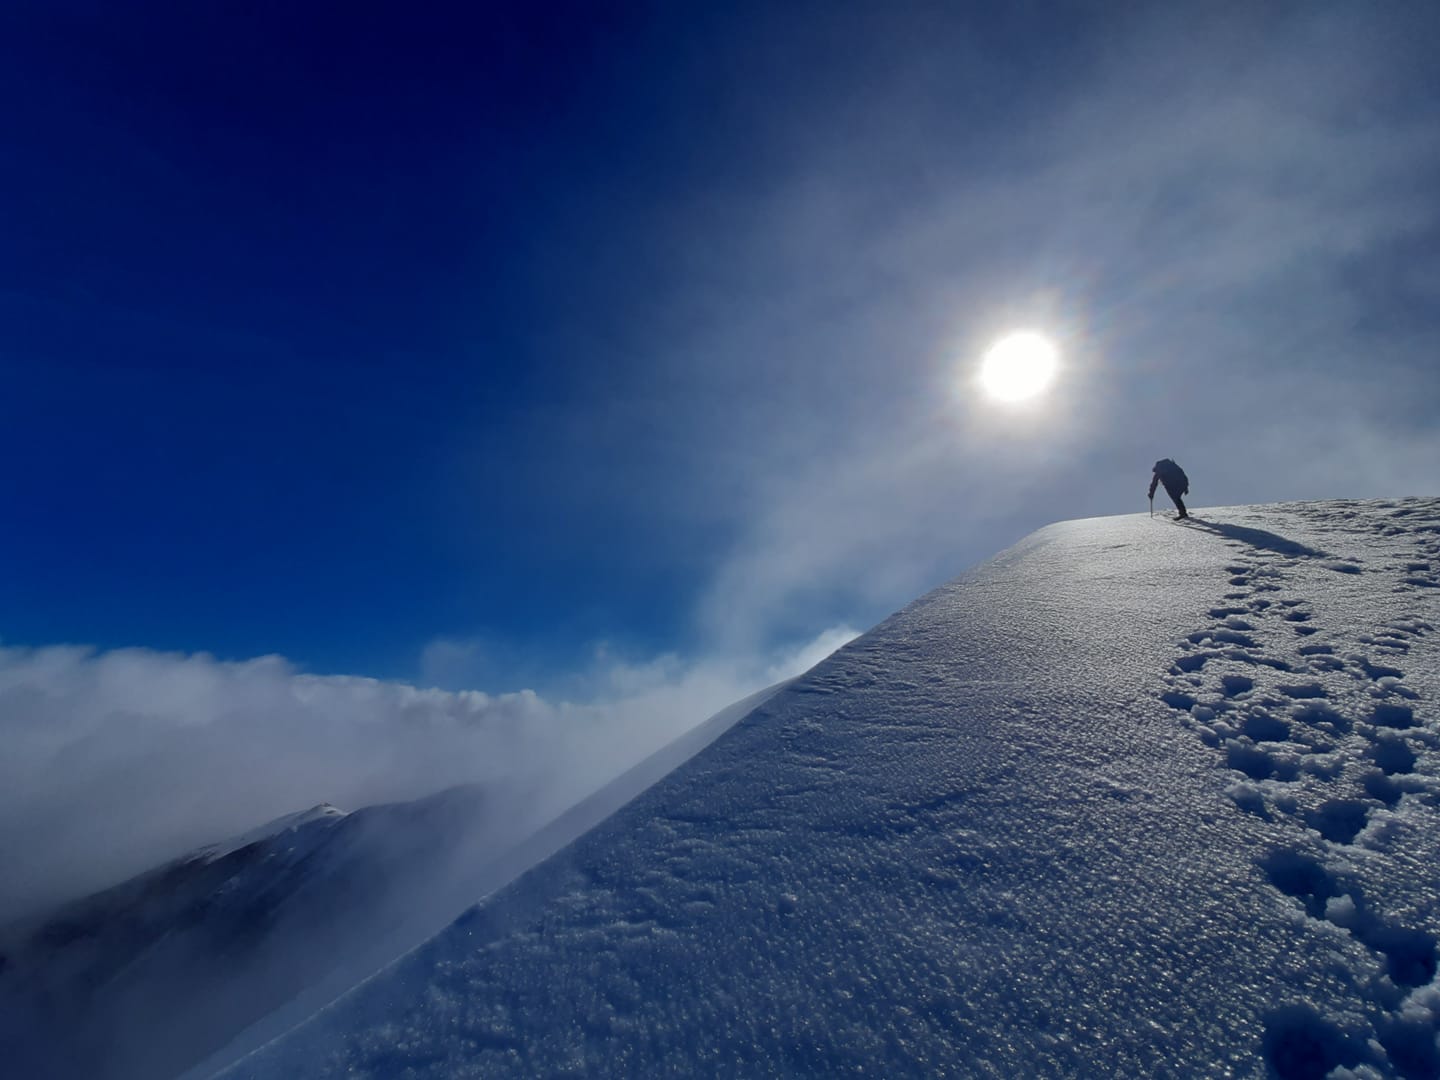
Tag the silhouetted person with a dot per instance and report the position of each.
(1175, 481)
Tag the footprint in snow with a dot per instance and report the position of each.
(1266, 744)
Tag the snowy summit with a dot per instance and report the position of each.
(1136, 797)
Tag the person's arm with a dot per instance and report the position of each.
(1153, 481)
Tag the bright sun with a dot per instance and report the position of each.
(1019, 366)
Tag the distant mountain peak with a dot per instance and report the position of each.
(320, 812)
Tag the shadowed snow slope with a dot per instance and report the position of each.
(142, 980)
(1134, 798)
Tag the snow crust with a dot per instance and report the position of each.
(1137, 797)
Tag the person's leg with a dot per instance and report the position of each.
(1175, 498)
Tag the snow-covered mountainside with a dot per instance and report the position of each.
(1135, 798)
(145, 979)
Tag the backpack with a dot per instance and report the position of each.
(1172, 476)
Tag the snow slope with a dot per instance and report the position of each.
(1134, 798)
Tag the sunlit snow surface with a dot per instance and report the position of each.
(1134, 798)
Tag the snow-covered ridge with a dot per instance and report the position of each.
(1136, 797)
(286, 824)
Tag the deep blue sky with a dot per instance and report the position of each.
(340, 331)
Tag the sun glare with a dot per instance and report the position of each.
(1019, 366)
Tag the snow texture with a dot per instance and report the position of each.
(1137, 797)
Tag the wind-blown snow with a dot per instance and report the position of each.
(1134, 798)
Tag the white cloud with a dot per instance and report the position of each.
(115, 761)
(449, 661)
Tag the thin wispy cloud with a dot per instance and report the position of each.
(1195, 217)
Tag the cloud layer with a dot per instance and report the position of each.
(117, 760)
